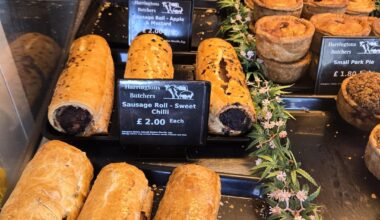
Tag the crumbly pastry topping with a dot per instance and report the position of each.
(341, 25)
(286, 4)
(285, 26)
(364, 89)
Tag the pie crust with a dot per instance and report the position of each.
(360, 7)
(249, 4)
(286, 72)
(329, 24)
(376, 27)
(358, 100)
(372, 152)
(312, 7)
(283, 38)
(277, 7)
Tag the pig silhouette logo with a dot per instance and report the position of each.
(172, 8)
(370, 47)
(181, 92)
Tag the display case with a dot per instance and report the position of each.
(35, 39)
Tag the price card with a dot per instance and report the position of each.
(170, 18)
(344, 57)
(163, 112)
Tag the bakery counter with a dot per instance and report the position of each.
(329, 148)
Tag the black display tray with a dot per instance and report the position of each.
(241, 195)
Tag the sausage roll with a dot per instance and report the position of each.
(53, 185)
(120, 191)
(35, 56)
(83, 98)
(231, 108)
(149, 57)
(193, 192)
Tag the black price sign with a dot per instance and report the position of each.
(171, 18)
(344, 57)
(163, 112)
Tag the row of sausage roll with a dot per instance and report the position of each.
(83, 99)
(56, 182)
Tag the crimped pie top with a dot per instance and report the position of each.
(361, 6)
(376, 26)
(340, 25)
(285, 5)
(284, 28)
(364, 90)
(328, 3)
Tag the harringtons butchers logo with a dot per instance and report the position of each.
(172, 8)
(179, 92)
(370, 47)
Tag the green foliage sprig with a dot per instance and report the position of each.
(285, 184)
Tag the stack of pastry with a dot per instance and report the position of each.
(283, 43)
(312, 7)
(277, 7)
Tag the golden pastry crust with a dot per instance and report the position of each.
(329, 24)
(249, 4)
(283, 38)
(35, 56)
(193, 192)
(218, 63)
(372, 152)
(358, 101)
(53, 185)
(286, 72)
(149, 57)
(86, 83)
(277, 7)
(313, 7)
(360, 7)
(376, 27)
(120, 192)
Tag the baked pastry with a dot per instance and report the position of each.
(82, 101)
(372, 152)
(53, 185)
(276, 7)
(376, 27)
(193, 192)
(231, 107)
(149, 57)
(283, 38)
(358, 100)
(249, 4)
(360, 7)
(35, 56)
(313, 70)
(286, 72)
(120, 191)
(312, 7)
(337, 25)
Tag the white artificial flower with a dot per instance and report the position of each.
(261, 61)
(242, 52)
(238, 17)
(280, 123)
(263, 90)
(278, 99)
(248, 19)
(275, 194)
(236, 28)
(275, 211)
(237, 5)
(281, 176)
(268, 115)
(312, 217)
(284, 196)
(283, 134)
(298, 218)
(250, 36)
(258, 161)
(272, 124)
(265, 102)
(301, 195)
(272, 145)
(266, 125)
(233, 21)
(250, 54)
